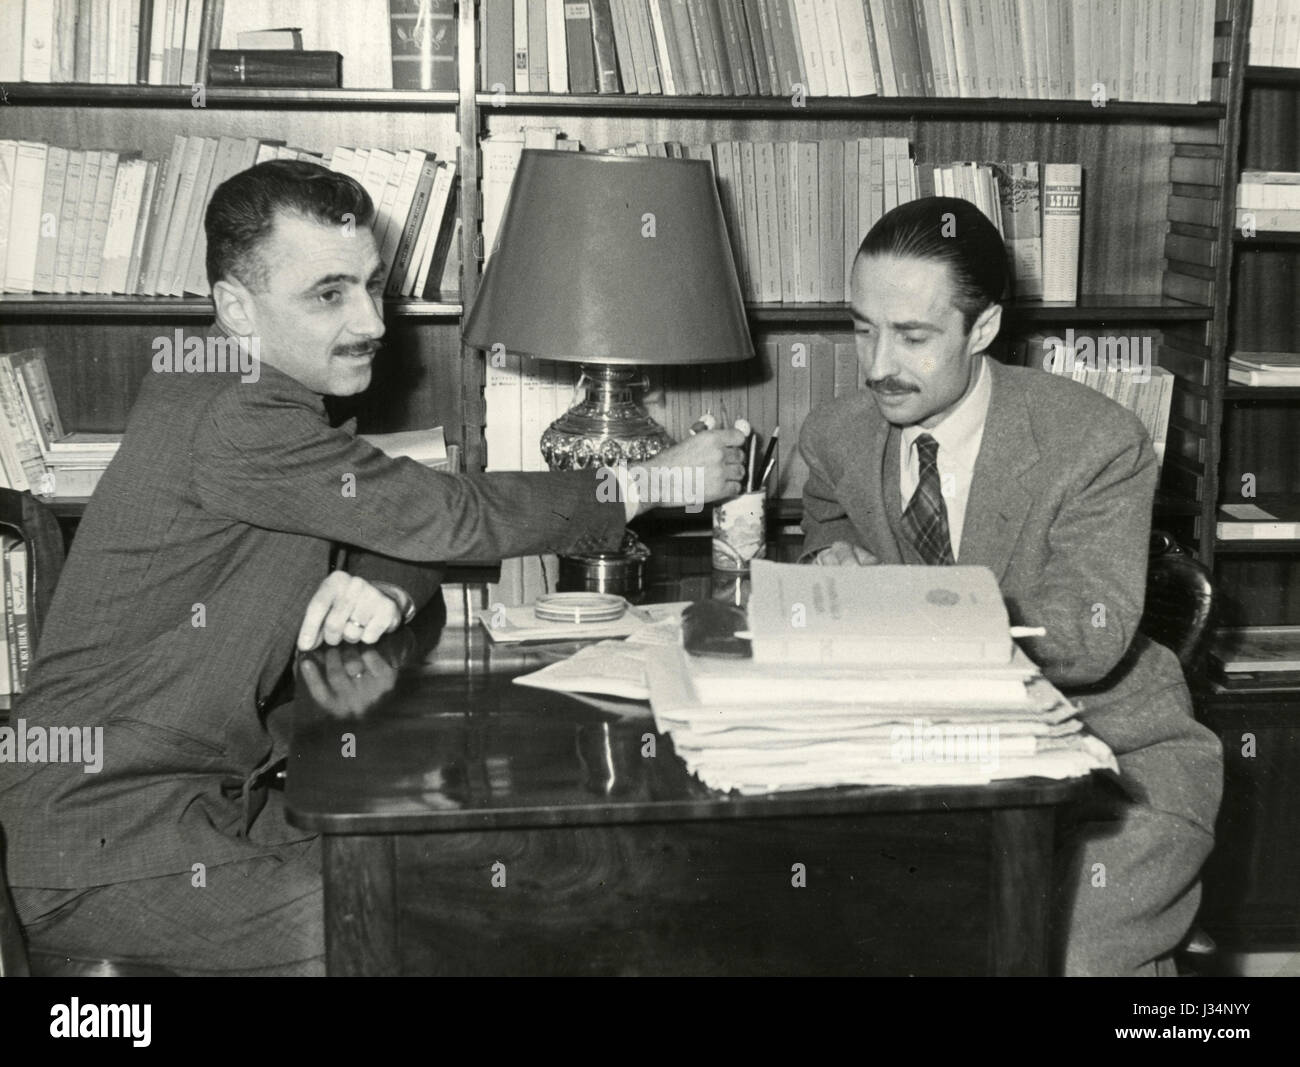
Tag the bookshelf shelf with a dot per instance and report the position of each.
(72, 305)
(867, 107)
(1257, 548)
(1099, 308)
(1260, 393)
(72, 94)
(1266, 237)
(1273, 76)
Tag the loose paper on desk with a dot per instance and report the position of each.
(885, 616)
(613, 668)
(831, 736)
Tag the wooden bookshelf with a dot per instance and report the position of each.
(1101, 310)
(89, 306)
(73, 94)
(867, 108)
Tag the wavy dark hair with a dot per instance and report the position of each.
(967, 242)
(243, 209)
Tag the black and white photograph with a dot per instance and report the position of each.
(650, 488)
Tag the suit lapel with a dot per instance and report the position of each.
(864, 487)
(999, 501)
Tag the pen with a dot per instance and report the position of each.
(751, 462)
(769, 457)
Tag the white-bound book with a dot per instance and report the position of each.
(885, 616)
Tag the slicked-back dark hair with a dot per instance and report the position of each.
(946, 230)
(243, 209)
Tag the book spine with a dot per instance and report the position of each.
(37, 32)
(769, 234)
(747, 188)
(11, 621)
(579, 45)
(606, 49)
(538, 74)
(760, 36)
(649, 43)
(414, 222)
(497, 62)
(1062, 217)
(682, 57)
(805, 17)
(16, 610)
(629, 74)
(830, 210)
(557, 65)
(789, 56)
(702, 45)
(905, 48)
(728, 32)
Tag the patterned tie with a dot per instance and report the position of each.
(926, 517)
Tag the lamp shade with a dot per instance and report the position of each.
(612, 259)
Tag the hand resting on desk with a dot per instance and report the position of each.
(351, 609)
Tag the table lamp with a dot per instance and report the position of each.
(616, 263)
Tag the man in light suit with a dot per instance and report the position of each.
(204, 558)
(948, 456)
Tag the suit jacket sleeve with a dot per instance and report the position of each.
(267, 459)
(824, 518)
(1089, 595)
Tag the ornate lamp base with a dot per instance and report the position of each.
(607, 427)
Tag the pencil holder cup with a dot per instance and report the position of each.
(739, 531)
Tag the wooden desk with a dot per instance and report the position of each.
(487, 828)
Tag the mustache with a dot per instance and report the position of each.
(891, 385)
(366, 348)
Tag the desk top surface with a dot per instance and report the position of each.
(440, 739)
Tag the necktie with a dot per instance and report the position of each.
(926, 517)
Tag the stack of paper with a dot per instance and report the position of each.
(823, 728)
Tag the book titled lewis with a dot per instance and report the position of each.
(884, 616)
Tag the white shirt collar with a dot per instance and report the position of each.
(960, 432)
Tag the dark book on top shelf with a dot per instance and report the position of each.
(274, 68)
(424, 43)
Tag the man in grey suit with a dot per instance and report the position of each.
(204, 557)
(948, 456)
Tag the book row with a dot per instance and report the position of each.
(35, 452)
(1275, 33)
(797, 211)
(1098, 50)
(381, 44)
(1122, 369)
(111, 42)
(106, 221)
(1269, 200)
